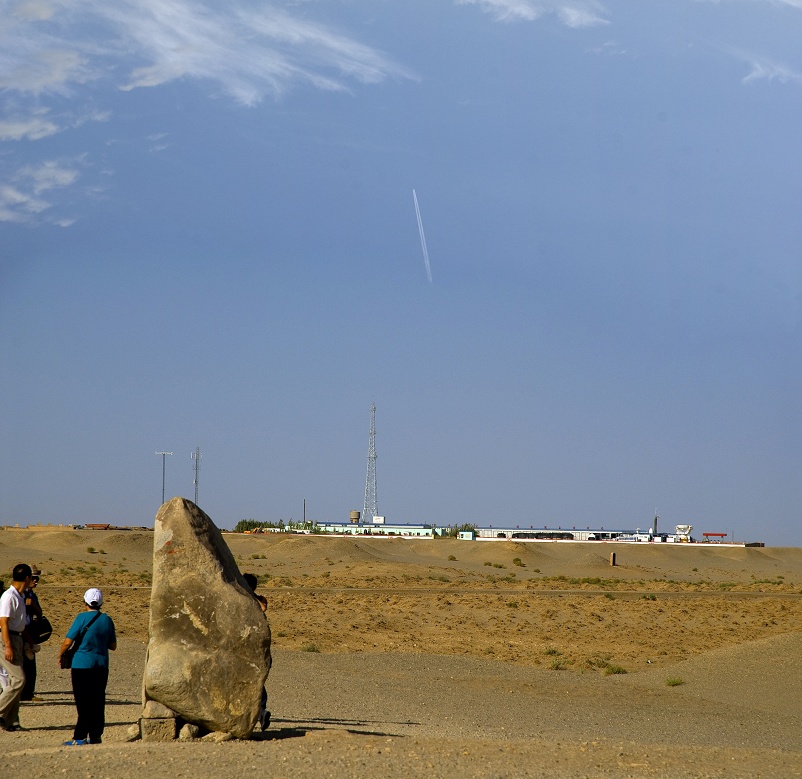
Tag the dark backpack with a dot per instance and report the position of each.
(40, 629)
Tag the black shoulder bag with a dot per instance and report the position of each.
(66, 658)
(40, 629)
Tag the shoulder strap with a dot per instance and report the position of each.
(89, 624)
(86, 627)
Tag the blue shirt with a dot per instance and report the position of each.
(94, 649)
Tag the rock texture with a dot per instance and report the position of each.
(209, 642)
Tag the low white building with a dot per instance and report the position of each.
(378, 529)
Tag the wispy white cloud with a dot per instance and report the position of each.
(507, 10)
(46, 176)
(610, 49)
(32, 128)
(23, 195)
(764, 69)
(17, 205)
(55, 53)
(790, 3)
(158, 142)
(248, 51)
(573, 13)
(31, 121)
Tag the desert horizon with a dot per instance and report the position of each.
(703, 638)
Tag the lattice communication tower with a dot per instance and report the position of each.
(371, 508)
(197, 456)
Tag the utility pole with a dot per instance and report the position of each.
(196, 456)
(164, 468)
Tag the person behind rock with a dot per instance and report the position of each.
(252, 583)
(32, 609)
(264, 714)
(90, 668)
(12, 625)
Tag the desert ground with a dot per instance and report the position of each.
(454, 658)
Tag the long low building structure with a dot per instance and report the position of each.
(382, 529)
(374, 529)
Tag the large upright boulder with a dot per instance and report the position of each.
(209, 642)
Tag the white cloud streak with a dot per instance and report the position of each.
(21, 196)
(248, 51)
(789, 3)
(47, 176)
(766, 70)
(31, 128)
(57, 52)
(762, 68)
(572, 13)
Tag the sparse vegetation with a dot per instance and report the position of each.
(453, 532)
(517, 561)
(674, 681)
(395, 602)
(598, 661)
(311, 648)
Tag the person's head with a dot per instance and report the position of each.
(35, 574)
(93, 598)
(251, 580)
(21, 573)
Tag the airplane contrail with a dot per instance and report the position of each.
(422, 239)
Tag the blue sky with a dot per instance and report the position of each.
(208, 239)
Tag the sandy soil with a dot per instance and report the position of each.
(452, 658)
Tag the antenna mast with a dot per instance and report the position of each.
(196, 456)
(371, 508)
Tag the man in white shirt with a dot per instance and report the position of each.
(12, 624)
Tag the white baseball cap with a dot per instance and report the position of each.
(93, 597)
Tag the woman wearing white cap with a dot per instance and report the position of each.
(94, 634)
